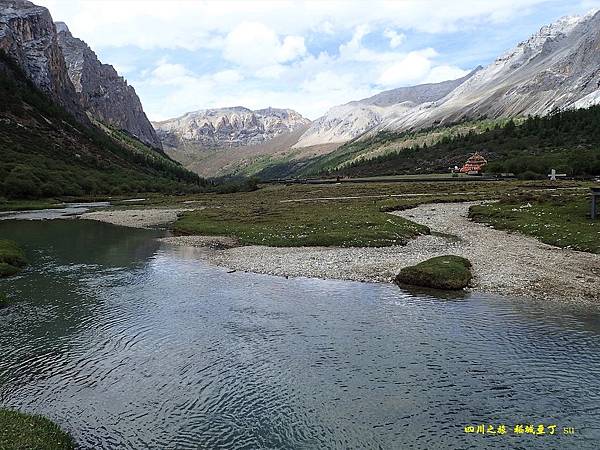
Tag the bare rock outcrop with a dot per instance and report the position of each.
(104, 94)
(28, 35)
(229, 127)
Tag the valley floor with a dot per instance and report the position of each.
(504, 263)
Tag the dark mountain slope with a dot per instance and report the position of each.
(45, 151)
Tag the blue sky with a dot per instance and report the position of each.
(184, 55)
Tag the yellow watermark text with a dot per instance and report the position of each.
(519, 429)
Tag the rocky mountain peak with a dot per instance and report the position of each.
(557, 67)
(542, 42)
(229, 127)
(62, 27)
(104, 94)
(28, 35)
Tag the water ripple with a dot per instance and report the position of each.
(160, 351)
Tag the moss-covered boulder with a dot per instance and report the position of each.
(19, 431)
(12, 258)
(443, 272)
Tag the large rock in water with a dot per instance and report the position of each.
(104, 94)
(28, 35)
(442, 272)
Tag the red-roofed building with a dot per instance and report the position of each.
(474, 164)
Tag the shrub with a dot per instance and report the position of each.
(530, 175)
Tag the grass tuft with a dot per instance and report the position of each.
(12, 258)
(443, 272)
(19, 431)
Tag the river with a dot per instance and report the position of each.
(130, 344)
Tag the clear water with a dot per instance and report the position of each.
(128, 344)
(69, 209)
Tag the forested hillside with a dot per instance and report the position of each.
(45, 152)
(568, 141)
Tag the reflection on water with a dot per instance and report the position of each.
(131, 345)
(70, 209)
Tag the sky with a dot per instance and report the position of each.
(186, 55)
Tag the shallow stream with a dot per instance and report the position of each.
(131, 344)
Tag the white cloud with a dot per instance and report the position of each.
(167, 73)
(228, 76)
(443, 73)
(396, 39)
(195, 24)
(325, 27)
(254, 45)
(354, 49)
(273, 71)
(287, 53)
(411, 69)
(293, 47)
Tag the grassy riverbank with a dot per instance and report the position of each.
(561, 219)
(347, 215)
(20, 431)
(353, 214)
(344, 224)
(26, 205)
(12, 258)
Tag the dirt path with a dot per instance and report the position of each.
(504, 263)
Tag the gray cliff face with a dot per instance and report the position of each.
(27, 35)
(228, 127)
(104, 94)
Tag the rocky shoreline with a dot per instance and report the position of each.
(136, 218)
(503, 263)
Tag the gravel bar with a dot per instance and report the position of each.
(504, 263)
(136, 218)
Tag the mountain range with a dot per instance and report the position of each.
(557, 68)
(224, 140)
(345, 122)
(229, 127)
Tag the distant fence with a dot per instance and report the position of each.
(377, 180)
